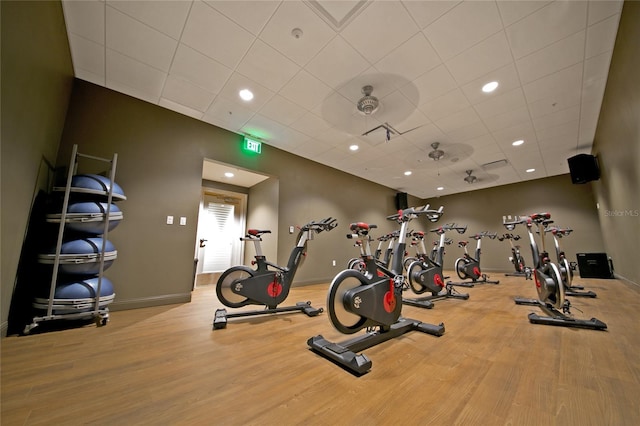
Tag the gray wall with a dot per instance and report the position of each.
(160, 156)
(617, 146)
(37, 78)
(570, 205)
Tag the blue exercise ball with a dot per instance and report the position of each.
(88, 217)
(95, 184)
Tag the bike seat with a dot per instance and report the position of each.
(257, 232)
(462, 243)
(361, 228)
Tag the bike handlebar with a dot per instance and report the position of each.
(413, 212)
(450, 227)
(322, 225)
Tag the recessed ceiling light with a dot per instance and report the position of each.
(228, 174)
(490, 87)
(246, 94)
(407, 173)
(440, 188)
(517, 143)
(354, 147)
(530, 170)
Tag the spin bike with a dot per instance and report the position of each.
(425, 273)
(551, 296)
(566, 270)
(368, 301)
(516, 258)
(268, 284)
(467, 267)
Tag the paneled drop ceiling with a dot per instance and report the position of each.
(306, 63)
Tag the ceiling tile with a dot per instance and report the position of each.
(239, 82)
(599, 10)
(282, 110)
(431, 85)
(264, 128)
(507, 119)
(311, 149)
(559, 55)
(457, 120)
(567, 80)
(468, 132)
(215, 35)
(462, 27)
(411, 59)
(199, 69)
(85, 19)
(506, 76)
(512, 11)
(597, 67)
(227, 114)
(310, 124)
(136, 40)
(555, 102)
(505, 137)
(593, 90)
(362, 33)
(569, 131)
(546, 26)
(601, 37)
(491, 54)
(251, 15)
(265, 65)
(134, 78)
(87, 56)
(501, 104)
(337, 111)
(561, 117)
(446, 104)
(167, 17)
(290, 15)
(186, 93)
(337, 63)
(426, 12)
(305, 90)
(425, 135)
(411, 123)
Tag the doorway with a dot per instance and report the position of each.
(222, 218)
(221, 223)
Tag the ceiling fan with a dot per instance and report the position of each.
(470, 178)
(436, 154)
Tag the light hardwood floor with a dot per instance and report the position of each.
(165, 365)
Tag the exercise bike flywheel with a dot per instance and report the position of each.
(343, 320)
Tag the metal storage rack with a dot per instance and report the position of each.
(98, 311)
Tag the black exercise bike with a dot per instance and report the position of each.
(566, 269)
(551, 296)
(425, 273)
(369, 301)
(268, 284)
(516, 259)
(468, 267)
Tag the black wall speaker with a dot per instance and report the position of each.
(583, 168)
(401, 201)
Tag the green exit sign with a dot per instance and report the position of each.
(251, 145)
